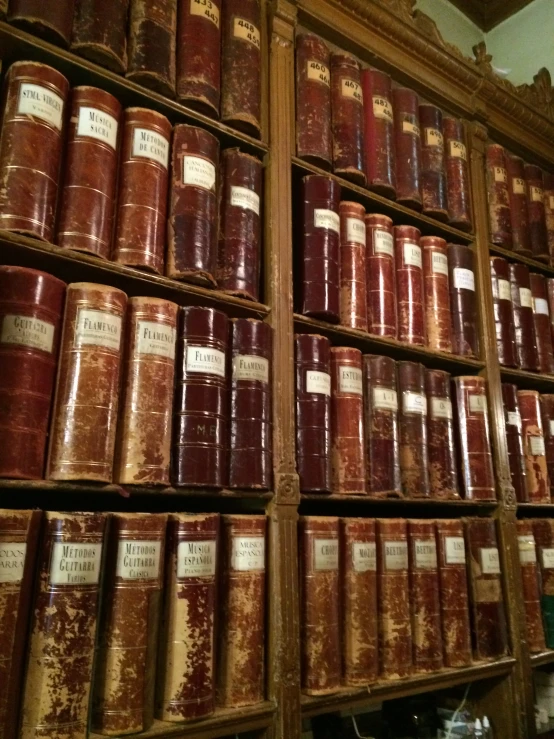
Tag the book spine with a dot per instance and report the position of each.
(313, 100)
(537, 480)
(31, 148)
(457, 174)
(84, 416)
(463, 300)
(380, 276)
(547, 416)
(500, 216)
(514, 442)
(100, 32)
(519, 196)
(550, 295)
(151, 42)
(542, 321)
(441, 448)
(524, 322)
(413, 430)
(503, 312)
(192, 227)
(347, 118)
(380, 164)
(437, 293)
(433, 174)
(31, 304)
(50, 21)
(530, 583)
(548, 181)
(408, 147)
(353, 287)
(409, 285)
(537, 217)
(543, 530)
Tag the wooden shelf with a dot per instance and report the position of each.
(399, 506)
(514, 257)
(535, 509)
(542, 658)
(528, 380)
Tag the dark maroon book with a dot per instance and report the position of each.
(518, 205)
(347, 117)
(457, 174)
(541, 318)
(463, 300)
(503, 312)
(380, 159)
(500, 216)
(413, 430)
(409, 285)
(514, 441)
(537, 216)
(408, 147)
(524, 322)
(313, 100)
(433, 174)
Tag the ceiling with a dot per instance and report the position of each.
(489, 13)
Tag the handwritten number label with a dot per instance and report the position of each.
(206, 9)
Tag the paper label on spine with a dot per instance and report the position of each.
(12, 561)
(396, 555)
(206, 359)
(242, 197)
(540, 306)
(318, 382)
(95, 327)
(318, 72)
(536, 446)
(246, 31)
(525, 297)
(457, 149)
(97, 124)
(382, 109)
(364, 556)
(198, 172)
(477, 403)
(412, 255)
(500, 174)
(441, 408)
(250, 367)
(326, 555)
(410, 126)
(439, 264)
(151, 145)
(355, 230)
(156, 338)
(433, 137)
(464, 279)
(425, 551)
(547, 558)
(504, 290)
(350, 380)
(385, 399)
(75, 563)
(490, 561)
(383, 242)
(536, 194)
(455, 550)
(138, 560)
(28, 331)
(248, 553)
(518, 186)
(414, 403)
(40, 102)
(324, 218)
(514, 419)
(527, 549)
(351, 89)
(196, 558)
(206, 9)
(551, 426)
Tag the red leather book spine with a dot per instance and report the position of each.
(503, 312)
(192, 227)
(487, 603)
(124, 676)
(31, 304)
(143, 186)
(409, 285)
(58, 681)
(518, 205)
(381, 427)
(437, 293)
(151, 43)
(90, 183)
(251, 430)
(347, 118)
(463, 300)
(474, 438)
(240, 225)
(353, 287)
(457, 174)
(84, 416)
(50, 21)
(360, 634)
(541, 317)
(33, 128)
(185, 684)
(500, 217)
(413, 430)
(550, 295)
(321, 248)
(524, 322)
(200, 401)
(453, 589)
(241, 612)
(100, 32)
(548, 181)
(395, 632)
(441, 447)
(408, 147)
(380, 276)
(313, 413)
(380, 159)
(543, 530)
(531, 589)
(514, 441)
(313, 100)
(537, 217)
(347, 422)
(320, 598)
(537, 480)
(547, 416)
(433, 174)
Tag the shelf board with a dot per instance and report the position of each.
(533, 509)
(542, 658)
(514, 257)
(428, 506)
(528, 380)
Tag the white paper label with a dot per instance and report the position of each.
(514, 419)
(414, 403)
(490, 561)
(518, 186)
(351, 89)
(198, 172)
(98, 328)
(247, 32)
(527, 549)
(500, 174)
(196, 558)
(504, 290)
(242, 197)
(326, 554)
(206, 9)
(441, 408)
(138, 560)
(250, 367)
(551, 424)
(464, 278)
(536, 194)
(248, 553)
(350, 380)
(151, 145)
(27, 331)
(457, 149)
(425, 551)
(409, 126)
(525, 297)
(455, 550)
(536, 446)
(433, 137)
(540, 306)
(12, 561)
(156, 338)
(477, 403)
(396, 555)
(205, 359)
(439, 264)
(382, 109)
(97, 124)
(412, 255)
(385, 399)
(324, 218)
(355, 230)
(364, 556)
(547, 558)
(75, 563)
(318, 72)
(318, 382)
(384, 243)
(40, 102)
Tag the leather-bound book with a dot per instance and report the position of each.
(408, 147)
(200, 403)
(541, 317)
(413, 430)
(500, 217)
(313, 413)
(514, 442)
(537, 479)
(241, 612)
(453, 590)
(353, 285)
(320, 252)
(503, 312)
(524, 321)
(124, 675)
(360, 634)
(548, 181)
(251, 430)
(151, 42)
(240, 225)
(458, 189)
(474, 438)
(380, 164)
(347, 118)
(143, 186)
(438, 322)
(91, 164)
(18, 544)
(410, 299)
(381, 427)
(463, 300)
(531, 588)
(100, 32)
(192, 227)
(31, 304)
(50, 21)
(33, 127)
(61, 646)
(543, 530)
(433, 173)
(320, 599)
(518, 205)
(313, 100)
(185, 684)
(490, 640)
(84, 417)
(550, 295)
(547, 416)
(395, 632)
(347, 422)
(537, 218)
(441, 446)
(381, 276)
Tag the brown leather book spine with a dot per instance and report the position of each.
(413, 430)
(550, 295)
(518, 205)
(347, 118)
(50, 21)
(503, 312)
(531, 589)
(548, 181)
(457, 174)
(543, 530)
(524, 322)
(251, 430)
(537, 480)
(143, 186)
(58, 682)
(500, 217)
(100, 32)
(313, 100)
(84, 417)
(192, 227)
(380, 159)
(433, 173)
(380, 276)
(547, 416)
(360, 633)
(541, 317)
(185, 684)
(151, 43)
(437, 293)
(241, 612)
(124, 676)
(240, 225)
(474, 438)
(200, 402)
(537, 217)
(408, 147)
(453, 590)
(31, 304)
(347, 422)
(463, 300)
(33, 128)
(514, 441)
(441, 447)
(410, 298)
(320, 598)
(91, 166)
(353, 286)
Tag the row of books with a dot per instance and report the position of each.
(82, 172)
(370, 425)
(142, 392)
(119, 611)
(374, 133)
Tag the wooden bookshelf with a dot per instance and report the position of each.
(542, 658)
(528, 380)
(533, 264)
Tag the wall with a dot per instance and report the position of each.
(454, 26)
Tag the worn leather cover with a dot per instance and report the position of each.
(524, 322)
(408, 147)
(353, 277)
(413, 430)
(381, 276)
(380, 158)
(550, 292)
(313, 100)
(542, 320)
(433, 173)
(531, 589)
(547, 416)
(537, 217)
(463, 300)
(519, 197)
(31, 304)
(537, 479)
(503, 312)
(500, 217)
(410, 298)
(50, 21)
(151, 41)
(514, 441)
(543, 530)
(100, 32)
(441, 447)
(548, 182)
(33, 128)
(457, 174)
(347, 118)
(84, 417)
(437, 293)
